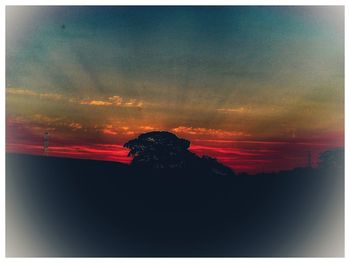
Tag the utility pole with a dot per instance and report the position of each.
(46, 142)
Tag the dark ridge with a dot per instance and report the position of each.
(60, 207)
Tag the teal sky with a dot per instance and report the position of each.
(235, 72)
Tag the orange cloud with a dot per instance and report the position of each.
(205, 131)
(27, 92)
(116, 100)
(41, 118)
(109, 132)
(95, 102)
(75, 126)
(231, 110)
(147, 128)
(112, 101)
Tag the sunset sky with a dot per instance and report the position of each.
(255, 87)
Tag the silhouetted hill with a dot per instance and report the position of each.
(70, 207)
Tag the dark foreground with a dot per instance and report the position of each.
(57, 207)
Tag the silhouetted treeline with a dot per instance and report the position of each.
(67, 207)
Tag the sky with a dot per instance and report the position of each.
(258, 88)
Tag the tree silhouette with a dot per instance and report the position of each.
(159, 150)
(162, 149)
(333, 158)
